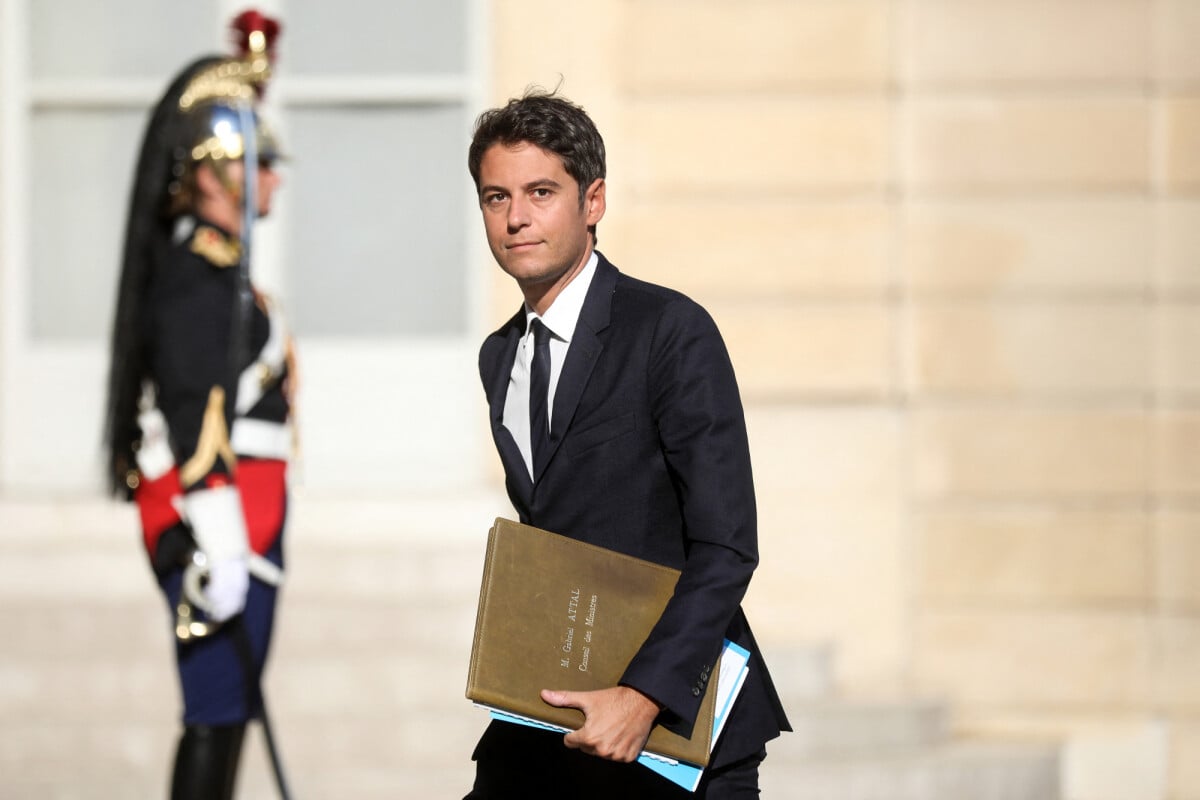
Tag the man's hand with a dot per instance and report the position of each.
(616, 724)
(228, 583)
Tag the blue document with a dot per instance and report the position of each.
(732, 675)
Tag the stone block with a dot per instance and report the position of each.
(801, 673)
(386, 573)
(1035, 657)
(64, 627)
(841, 727)
(789, 350)
(776, 144)
(79, 567)
(1184, 771)
(1178, 646)
(1026, 453)
(584, 71)
(831, 456)
(777, 248)
(366, 685)
(975, 245)
(1177, 453)
(710, 46)
(1116, 762)
(1043, 144)
(137, 687)
(440, 624)
(1178, 236)
(833, 574)
(1177, 559)
(31, 524)
(1178, 30)
(972, 42)
(80, 758)
(440, 525)
(1031, 556)
(1177, 330)
(1182, 157)
(390, 745)
(1030, 349)
(980, 771)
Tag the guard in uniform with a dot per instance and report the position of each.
(200, 389)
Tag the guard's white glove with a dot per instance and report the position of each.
(228, 582)
(220, 531)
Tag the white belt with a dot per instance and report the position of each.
(261, 439)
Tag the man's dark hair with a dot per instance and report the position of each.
(553, 123)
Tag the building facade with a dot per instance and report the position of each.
(954, 246)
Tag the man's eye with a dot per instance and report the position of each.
(541, 192)
(492, 199)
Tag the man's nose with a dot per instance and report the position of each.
(518, 214)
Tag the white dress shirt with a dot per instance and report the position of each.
(560, 319)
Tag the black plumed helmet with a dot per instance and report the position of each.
(197, 119)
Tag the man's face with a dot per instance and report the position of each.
(535, 226)
(221, 201)
(268, 182)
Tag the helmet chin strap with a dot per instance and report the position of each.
(249, 194)
(220, 169)
(243, 195)
(239, 339)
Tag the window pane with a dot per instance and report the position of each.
(378, 200)
(374, 38)
(81, 175)
(121, 38)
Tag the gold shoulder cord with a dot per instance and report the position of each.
(212, 442)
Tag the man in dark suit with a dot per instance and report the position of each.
(618, 420)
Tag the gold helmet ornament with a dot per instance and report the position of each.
(217, 108)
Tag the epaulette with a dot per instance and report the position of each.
(215, 247)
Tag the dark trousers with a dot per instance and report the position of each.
(212, 670)
(517, 763)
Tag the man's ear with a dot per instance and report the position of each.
(593, 202)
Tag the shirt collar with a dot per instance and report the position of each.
(563, 314)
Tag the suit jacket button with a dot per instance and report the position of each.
(695, 691)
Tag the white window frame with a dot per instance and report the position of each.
(363, 426)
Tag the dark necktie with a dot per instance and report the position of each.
(539, 394)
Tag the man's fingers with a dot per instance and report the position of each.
(563, 699)
(576, 740)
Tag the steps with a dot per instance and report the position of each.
(946, 771)
(890, 747)
(368, 670)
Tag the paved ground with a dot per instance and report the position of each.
(368, 671)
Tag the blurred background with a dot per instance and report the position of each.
(954, 247)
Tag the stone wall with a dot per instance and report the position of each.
(954, 246)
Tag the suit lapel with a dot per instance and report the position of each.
(497, 393)
(583, 353)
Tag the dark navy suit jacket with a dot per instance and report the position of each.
(649, 457)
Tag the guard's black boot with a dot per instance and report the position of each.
(206, 762)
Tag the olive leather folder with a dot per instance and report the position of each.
(557, 613)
